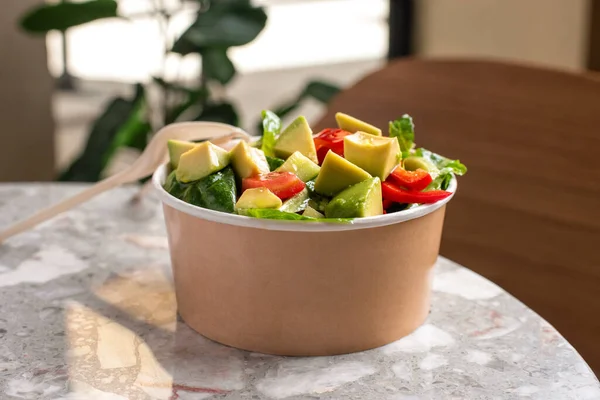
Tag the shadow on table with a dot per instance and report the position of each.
(126, 339)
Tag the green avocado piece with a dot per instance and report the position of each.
(257, 198)
(248, 161)
(295, 203)
(360, 200)
(176, 149)
(351, 124)
(216, 191)
(378, 155)
(296, 137)
(312, 213)
(301, 166)
(337, 174)
(413, 163)
(201, 161)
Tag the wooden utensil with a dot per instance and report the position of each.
(153, 156)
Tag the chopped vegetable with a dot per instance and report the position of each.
(271, 128)
(280, 177)
(330, 139)
(258, 198)
(216, 191)
(412, 180)
(296, 203)
(399, 195)
(283, 184)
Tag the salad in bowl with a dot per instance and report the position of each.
(336, 175)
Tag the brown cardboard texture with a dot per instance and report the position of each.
(303, 293)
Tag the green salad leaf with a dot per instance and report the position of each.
(269, 213)
(215, 192)
(271, 128)
(403, 129)
(274, 162)
(442, 181)
(442, 162)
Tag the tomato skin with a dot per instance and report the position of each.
(412, 180)
(283, 184)
(399, 195)
(330, 139)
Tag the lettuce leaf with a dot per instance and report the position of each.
(266, 213)
(441, 162)
(271, 128)
(403, 129)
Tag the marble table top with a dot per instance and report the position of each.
(87, 311)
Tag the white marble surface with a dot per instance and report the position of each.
(87, 311)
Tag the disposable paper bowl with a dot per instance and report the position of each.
(302, 288)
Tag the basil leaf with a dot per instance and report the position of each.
(271, 128)
(274, 163)
(403, 129)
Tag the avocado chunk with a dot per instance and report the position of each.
(337, 174)
(413, 163)
(301, 166)
(296, 137)
(216, 191)
(312, 213)
(201, 161)
(296, 203)
(248, 161)
(176, 149)
(360, 200)
(378, 155)
(257, 198)
(351, 124)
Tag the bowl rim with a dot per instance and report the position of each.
(160, 175)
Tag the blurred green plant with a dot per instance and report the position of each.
(129, 122)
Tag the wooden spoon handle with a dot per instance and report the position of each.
(67, 204)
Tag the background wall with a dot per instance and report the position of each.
(27, 149)
(552, 32)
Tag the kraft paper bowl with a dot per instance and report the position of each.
(302, 288)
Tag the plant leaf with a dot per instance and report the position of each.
(194, 98)
(226, 25)
(219, 112)
(442, 163)
(216, 65)
(134, 132)
(403, 129)
(65, 15)
(271, 126)
(321, 91)
(267, 213)
(119, 121)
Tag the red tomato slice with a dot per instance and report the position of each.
(283, 184)
(330, 139)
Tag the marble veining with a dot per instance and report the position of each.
(87, 311)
